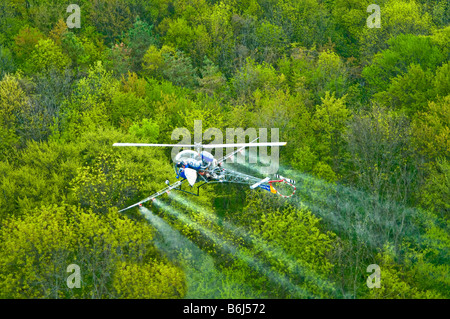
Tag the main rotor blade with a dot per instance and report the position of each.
(202, 145)
(161, 145)
(244, 144)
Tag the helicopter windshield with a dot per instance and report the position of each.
(187, 154)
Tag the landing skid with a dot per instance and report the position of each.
(185, 191)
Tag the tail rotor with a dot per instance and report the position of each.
(282, 186)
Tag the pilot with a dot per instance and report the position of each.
(190, 163)
(180, 169)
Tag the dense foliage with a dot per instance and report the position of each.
(365, 113)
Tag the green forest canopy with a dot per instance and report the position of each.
(365, 113)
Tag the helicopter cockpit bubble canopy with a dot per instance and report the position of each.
(187, 154)
(207, 157)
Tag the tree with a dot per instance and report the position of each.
(179, 35)
(402, 52)
(75, 49)
(212, 80)
(441, 38)
(399, 17)
(14, 113)
(439, 11)
(119, 59)
(253, 76)
(431, 130)
(441, 81)
(329, 123)
(147, 130)
(13, 102)
(87, 107)
(37, 175)
(271, 42)
(379, 142)
(37, 269)
(178, 69)
(297, 232)
(153, 61)
(47, 91)
(306, 22)
(170, 64)
(106, 248)
(25, 42)
(45, 57)
(201, 46)
(408, 92)
(290, 240)
(431, 134)
(435, 188)
(155, 280)
(396, 283)
(43, 14)
(93, 44)
(110, 18)
(221, 33)
(138, 40)
(13, 17)
(126, 107)
(105, 183)
(7, 64)
(330, 74)
(58, 32)
(350, 18)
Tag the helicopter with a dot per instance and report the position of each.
(200, 166)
